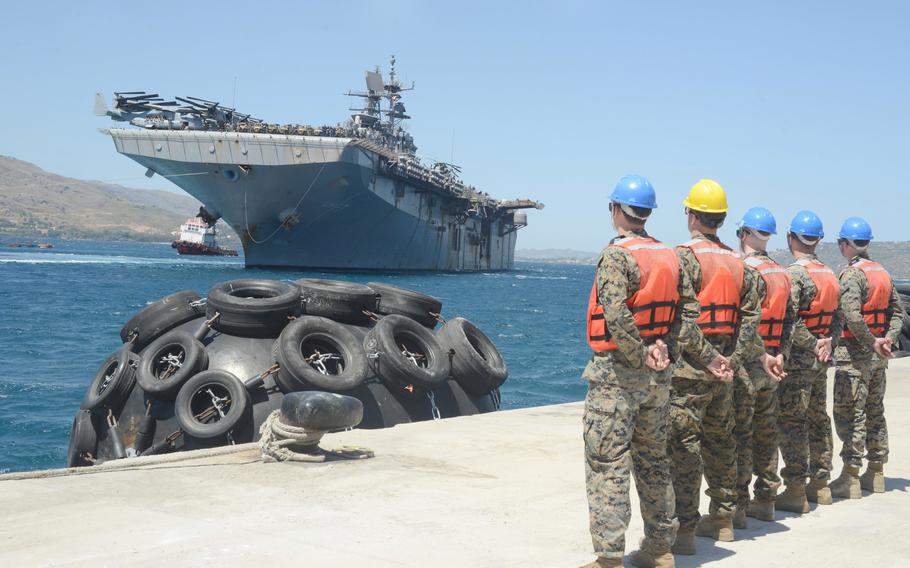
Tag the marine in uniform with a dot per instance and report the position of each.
(873, 316)
(701, 411)
(634, 322)
(804, 425)
(755, 385)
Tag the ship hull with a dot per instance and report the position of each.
(322, 203)
(197, 249)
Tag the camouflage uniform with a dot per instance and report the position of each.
(755, 403)
(859, 382)
(701, 407)
(626, 418)
(803, 423)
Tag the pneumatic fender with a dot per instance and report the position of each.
(405, 353)
(161, 316)
(253, 307)
(113, 381)
(169, 362)
(477, 364)
(195, 409)
(321, 411)
(400, 301)
(83, 440)
(310, 338)
(341, 301)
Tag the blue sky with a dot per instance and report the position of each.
(789, 105)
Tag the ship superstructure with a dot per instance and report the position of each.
(354, 196)
(197, 237)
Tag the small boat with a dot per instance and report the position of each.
(197, 236)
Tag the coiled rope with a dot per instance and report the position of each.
(278, 438)
(279, 442)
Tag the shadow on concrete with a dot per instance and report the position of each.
(895, 484)
(706, 550)
(759, 529)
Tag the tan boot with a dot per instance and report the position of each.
(685, 542)
(818, 492)
(602, 562)
(874, 478)
(761, 510)
(847, 486)
(793, 499)
(718, 528)
(739, 518)
(645, 558)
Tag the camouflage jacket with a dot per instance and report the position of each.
(617, 279)
(740, 346)
(802, 292)
(791, 316)
(854, 292)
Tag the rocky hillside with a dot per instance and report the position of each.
(895, 256)
(34, 202)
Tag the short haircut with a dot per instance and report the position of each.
(712, 220)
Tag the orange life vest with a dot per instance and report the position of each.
(654, 304)
(827, 296)
(774, 304)
(875, 309)
(721, 286)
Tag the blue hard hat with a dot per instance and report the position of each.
(808, 224)
(760, 219)
(855, 229)
(636, 191)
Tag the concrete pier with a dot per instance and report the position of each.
(504, 489)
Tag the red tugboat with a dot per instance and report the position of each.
(197, 236)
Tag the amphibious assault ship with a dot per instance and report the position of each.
(349, 197)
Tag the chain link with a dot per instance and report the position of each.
(433, 408)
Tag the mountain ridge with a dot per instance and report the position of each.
(35, 202)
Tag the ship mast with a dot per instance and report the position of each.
(384, 118)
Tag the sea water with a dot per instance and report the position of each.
(61, 311)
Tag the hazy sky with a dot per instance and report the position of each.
(789, 105)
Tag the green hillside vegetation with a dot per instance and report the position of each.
(37, 203)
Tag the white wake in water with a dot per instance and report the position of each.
(62, 258)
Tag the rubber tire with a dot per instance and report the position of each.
(337, 300)
(161, 316)
(240, 404)
(120, 386)
(83, 438)
(400, 301)
(195, 360)
(477, 364)
(905, 302)
(295, 374)
(387, 361)
(262, 316)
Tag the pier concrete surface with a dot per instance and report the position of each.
(502, 489)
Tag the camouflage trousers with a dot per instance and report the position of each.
(805, 437)
(859, 412)
(755, 414)
(625, 432)
(702, 442)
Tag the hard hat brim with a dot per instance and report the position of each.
(703, 208)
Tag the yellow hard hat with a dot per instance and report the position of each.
(707, 196)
